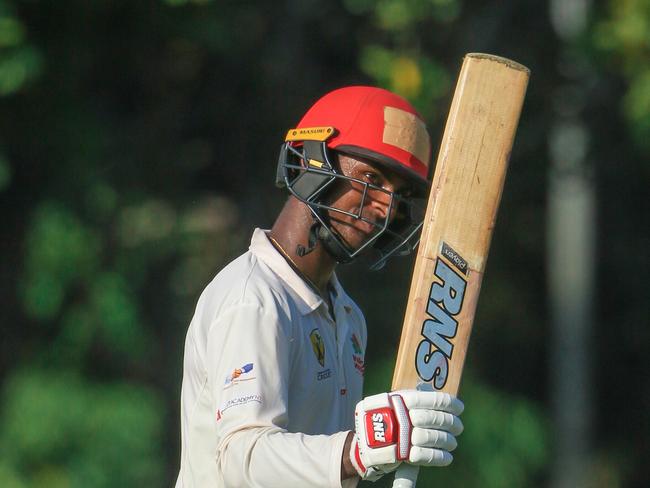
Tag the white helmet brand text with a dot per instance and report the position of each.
(444, 303)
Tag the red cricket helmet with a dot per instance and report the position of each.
(370, 123)
(374, 123)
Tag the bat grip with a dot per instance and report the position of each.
(406, 476)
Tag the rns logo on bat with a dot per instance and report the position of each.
(444, 303)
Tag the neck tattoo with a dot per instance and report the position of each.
(295, 267)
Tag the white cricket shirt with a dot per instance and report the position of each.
(270, 380)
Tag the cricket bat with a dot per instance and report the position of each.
(460, 216)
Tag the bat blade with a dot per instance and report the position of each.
(461, 214)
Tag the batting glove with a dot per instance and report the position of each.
(418, 427)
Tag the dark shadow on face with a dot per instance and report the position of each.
(371, 208)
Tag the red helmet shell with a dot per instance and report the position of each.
(376, 124)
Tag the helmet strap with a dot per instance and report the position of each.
(320, 232)
(334, 246)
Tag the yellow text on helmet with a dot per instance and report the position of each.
(310, 134)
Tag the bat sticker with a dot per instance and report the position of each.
(445, 302)
(454, 258)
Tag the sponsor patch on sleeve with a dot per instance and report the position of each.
(238, 402)
(243, 373)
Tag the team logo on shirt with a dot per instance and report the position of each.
(236, 376)
(357, 354)
(318, 346)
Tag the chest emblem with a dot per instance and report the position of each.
(318, 346)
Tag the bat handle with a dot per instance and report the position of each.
(406, 476)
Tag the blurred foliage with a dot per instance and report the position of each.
(61, 431)
(20, 61)
(624, 35)
(5, 173)
(60, 252)
(421, 80)
(137, 153)
(398, 16)
(400, 64)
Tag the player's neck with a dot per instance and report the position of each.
(291, 229)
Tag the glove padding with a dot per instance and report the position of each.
(418, 427)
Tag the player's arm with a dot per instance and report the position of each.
(347, 468)
(254, 447)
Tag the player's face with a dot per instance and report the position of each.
(348, 196)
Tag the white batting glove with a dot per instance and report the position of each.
(418, 427)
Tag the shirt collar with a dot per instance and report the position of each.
(309, 300)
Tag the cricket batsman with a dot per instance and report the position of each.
(274, 355)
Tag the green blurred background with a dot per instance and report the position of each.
(138, 143)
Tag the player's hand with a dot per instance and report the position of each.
(418, 427)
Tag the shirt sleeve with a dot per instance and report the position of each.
(248, 359)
